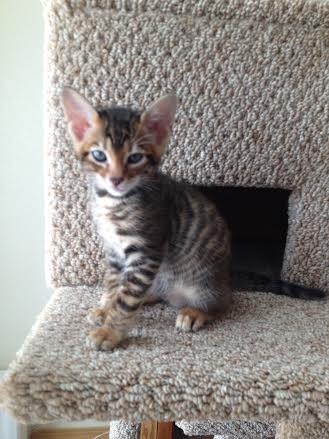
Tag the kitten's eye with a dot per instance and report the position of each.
(135, 158)
(98, 155)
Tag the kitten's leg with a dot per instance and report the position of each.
(120, 305)
(201, 308)
(192, 319)
(111, 283)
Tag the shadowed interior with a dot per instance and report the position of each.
(258, 220)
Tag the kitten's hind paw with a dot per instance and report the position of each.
(104, 338)
(96, 316)
(190, 319)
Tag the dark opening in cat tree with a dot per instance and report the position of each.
(258, 220)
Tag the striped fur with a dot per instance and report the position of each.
(165, 238)
(161, 237)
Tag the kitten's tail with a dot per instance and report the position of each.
(294, 290)
(245, 281)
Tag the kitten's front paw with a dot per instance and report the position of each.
(104, 338)
(96, 316)
(190, 319)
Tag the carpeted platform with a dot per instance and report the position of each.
(229, 430)
(252, 79)
(268, 358)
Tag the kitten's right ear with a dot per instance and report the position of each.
(83, 120)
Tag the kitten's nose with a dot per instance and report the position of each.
(116, 180)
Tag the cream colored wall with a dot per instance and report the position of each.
(23, 291)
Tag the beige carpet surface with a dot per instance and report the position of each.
(252, 80)
(229, 430)
(124, 430)
(224, 430)
(267, 359)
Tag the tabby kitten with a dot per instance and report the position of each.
(163, 239)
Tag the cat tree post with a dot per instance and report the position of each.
(145, 430)
(288, 430)
(252, 80)
(307, 241)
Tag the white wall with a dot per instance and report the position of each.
(22, 285)
(23, 291)
(9, 427)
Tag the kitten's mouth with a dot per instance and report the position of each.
(120, 190)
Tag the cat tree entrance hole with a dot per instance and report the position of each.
(258, 220)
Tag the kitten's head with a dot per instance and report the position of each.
(118, 144)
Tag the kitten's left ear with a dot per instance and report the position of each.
(158, 120)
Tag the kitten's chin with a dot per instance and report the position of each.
(118, 191)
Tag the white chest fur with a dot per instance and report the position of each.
(108, 229)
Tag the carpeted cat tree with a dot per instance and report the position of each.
(253, 81)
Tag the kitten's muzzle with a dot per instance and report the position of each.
(116, 181)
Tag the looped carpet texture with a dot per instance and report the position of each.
(252, 80)
(265, 360)
(229, 430)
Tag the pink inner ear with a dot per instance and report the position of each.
(79, 128)
(79, 114)
(158, 128)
